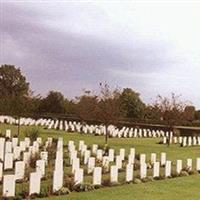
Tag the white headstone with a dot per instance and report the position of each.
(8, 133)
(132, 152)
(179, 167)
(1, 171)
(129, 172)
(111, 155)
(8, 163)
(91, 164)
(44, 156)
(153, 157)
(189, 141)
(26, 157)
(40, 167)
(2, 146)
(198, 164)
(14, 142)
(23, 145)
(19, 170)
(94, 148)
(87, 154)
(78, 176)
(97, 175)
(189, 164)
(163, 159)
(168, 168)
(75, 165)
(81, 143)
(114, 174)
(57, 180)
(119, 162)
(99, 154)
(16, 153)
(142, 158)
(35, 182)
(105, 162)
(143, 170)
(8, 147)
(122, 153)
(131, 159)
(9, 186)
(156, 169)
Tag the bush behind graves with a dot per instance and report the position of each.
(174, 174)
(62, 191)
(184, 173)
(69, 182)
(137, 181)
(83, 187)
(33, 159)
(32, 133)
(106, 182)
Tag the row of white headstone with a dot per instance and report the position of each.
(88, 160)
(183, 140)
(74, 126)
(16, 155)
(113, 131)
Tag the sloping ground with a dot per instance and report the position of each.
(184, 188)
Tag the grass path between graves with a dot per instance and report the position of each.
(182, 188)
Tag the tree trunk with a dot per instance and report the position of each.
(18, 128)
(106, 136)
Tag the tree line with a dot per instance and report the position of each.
(108, 105)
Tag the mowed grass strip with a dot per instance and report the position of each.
(182, 188)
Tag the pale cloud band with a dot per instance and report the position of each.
(149, 46)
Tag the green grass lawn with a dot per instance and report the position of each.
(184, 188)
(177, 188)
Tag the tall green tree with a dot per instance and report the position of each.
(12, 82)
(14, 90)
(171, 109)
(131, 104)
(197, 115)
(108, 109)
(86, 106)
(189, 113)
(53, 103)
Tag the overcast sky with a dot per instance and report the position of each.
(150, 46)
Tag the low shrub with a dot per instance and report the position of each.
(150, 178)
(69, 182)
(174, 174)
(137, 181)
(83, 187)
(161, 177)
(137, 156)
(62, 191)
(192, 172)
(32, 133)
(184, 173)
(145, 180)
(106, 182)
(45, 192)
(136, 165)
(115, 184)
(33, 159)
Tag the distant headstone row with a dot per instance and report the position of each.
(183, 140)
(113, 131)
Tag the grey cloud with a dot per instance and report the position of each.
(55, 59)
